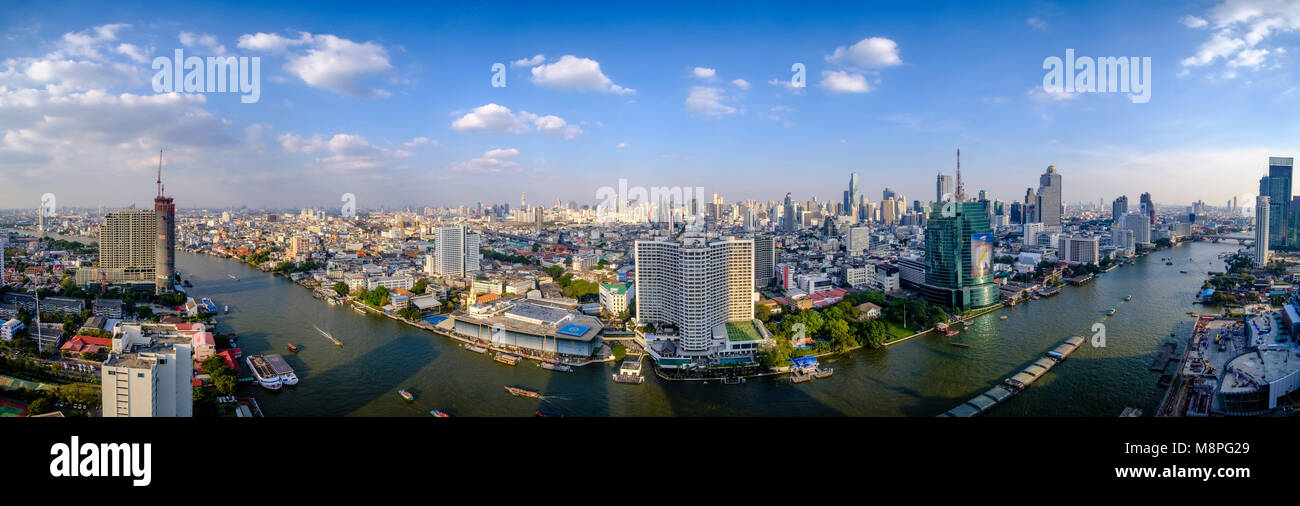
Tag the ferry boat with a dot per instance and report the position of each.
(523, 392)
(546, 413)
(406, 395)
(438, 414)
(629, 372)
(506, 358)
(556, 367)
(289, 379)
(292, 347)
(232, 276)
(960, 345)
(263, 373)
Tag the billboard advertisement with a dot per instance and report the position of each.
(981, 255)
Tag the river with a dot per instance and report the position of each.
(924, 376)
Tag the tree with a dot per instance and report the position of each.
(341, 288)
(143, 312)
(762, 312)
(225, 382)
(420, 286)
(39, 406)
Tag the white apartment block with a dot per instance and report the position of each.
(457, 251)
(695, 284)
(1079, 249)
(149, 372)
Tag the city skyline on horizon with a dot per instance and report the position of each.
(405, 117)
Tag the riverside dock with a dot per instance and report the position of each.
(1009, 387)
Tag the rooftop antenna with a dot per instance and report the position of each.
(160, 185)
(961, 191)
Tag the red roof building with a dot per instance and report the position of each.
(80, 344)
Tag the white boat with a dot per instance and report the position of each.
(289, 379)
(263, 372)
(232, 276)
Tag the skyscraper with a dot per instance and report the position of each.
(851, 195)
(1148, 208)
(538, 216)
(959, 258)
(1277, 186)
(943, 186)
(1119, 208)
(457, 251)
(696, 285)
(764, 260)
(1048, 206)
(165, 211)
(128, 247)
(788, 222)
(1262, 229)
(859, 240)
(1028, 214)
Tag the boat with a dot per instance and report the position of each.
(733, 380)
(263, 373)
(523, 392)
(187, 284)
(328, 336)
(1128, 297)
(227, 309)
(960, 345)
(438, 414)
(232, 276)
(546, 413)
(1182, 271)
(1003, 317)
(506, 358)
(475, 349)
(1111, 312)
(406, 395)
(292, 347)
(359, 310)
(950, 333)
(289, 379)
(941, 326)
(556, 367)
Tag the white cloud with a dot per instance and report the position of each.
(871, 52)
(500, 119)
(330, 63)
(1191, 21)
(87, 43)
(704, 73)
(421, 141)
(201, 41)
(623, 145)
(492, 161)
(708, 101)
(1036, 23)
(571, 73)
(529, 62)
(1038, 94)
(740, 83)
(838, 81)
(342, 152)
(135, 53)
(1240, 26)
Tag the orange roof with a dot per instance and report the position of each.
(488, 297)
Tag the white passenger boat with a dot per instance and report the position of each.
(263, 372)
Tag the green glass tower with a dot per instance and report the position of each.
(959, 257)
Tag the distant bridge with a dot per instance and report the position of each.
(1244, 241)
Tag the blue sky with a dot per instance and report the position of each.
(343, 107)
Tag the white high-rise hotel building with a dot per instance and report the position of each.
(697, 285)
(457, 251)
(1261, 230)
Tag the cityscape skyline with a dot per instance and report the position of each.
(411, 118)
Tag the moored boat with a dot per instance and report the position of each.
(960, 345)
(950, 333)
(556, 367)
(506, 358)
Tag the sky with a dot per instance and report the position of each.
(396, 104)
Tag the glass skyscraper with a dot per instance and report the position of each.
(1277, 185)
(959, 257)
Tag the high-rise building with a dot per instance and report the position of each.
(943, 185)
(859, 240)
(128, 247)
(851, 195)
(148, 373)
(1277, 186)
(1079, 249)
(788, 223)
(1048, 205)
(696, 285)
(1140, 224)
(457, 251)
(165, 211)
(764, 260)
(538, 216)
(1119, 208)
(959, 258)
(1028, 213)
(1148, 208)
(1262, 229)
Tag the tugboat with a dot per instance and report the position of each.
(406, 395)
(293, 348)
